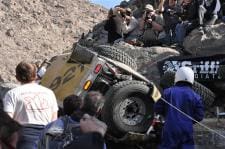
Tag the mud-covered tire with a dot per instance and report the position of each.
(116, 54)
(81, 54)
(127, 108)
(207, 95)
(221, 71)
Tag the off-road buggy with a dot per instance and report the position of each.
(129, 95)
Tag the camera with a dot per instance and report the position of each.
(123, 15)
(147, 17)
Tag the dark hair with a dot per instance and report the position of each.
(8, 127)
(71, 103)
(25, 72)
(93, 102)
(124, 4)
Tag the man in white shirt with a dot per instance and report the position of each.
(32, 105)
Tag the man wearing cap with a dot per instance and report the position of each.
(151, 24)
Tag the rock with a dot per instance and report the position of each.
(7, 3)
(25, 25)
(10, 33)
(210, 43)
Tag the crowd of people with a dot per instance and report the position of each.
(29, 117)
(30, 120)
(164, 22)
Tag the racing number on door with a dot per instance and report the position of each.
(60, 80)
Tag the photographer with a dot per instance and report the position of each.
(119, 17)
(130, 27)
(189, 20)
(110, 27)
(171, 11)
(151, 24)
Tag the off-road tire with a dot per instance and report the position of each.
(115, 98)
(207, 95)
(116, 54)
(81, 54)
(221, 71)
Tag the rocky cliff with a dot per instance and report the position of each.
(37, 29)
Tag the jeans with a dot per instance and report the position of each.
(180, 31)
(29, 137)
(223, 18)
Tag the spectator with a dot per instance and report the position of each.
(223, 10)
(152, 25)
(70, 104)
(92, 129)
(9, 131)
(177, 131)
(138, 8)
(189, 20)
(208, 10)
(111, 27)
(32, 105)
(170, 8)
(119, 14)
(130, 27)
(93, 103)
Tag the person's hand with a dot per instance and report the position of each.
(149, 21)
(90, 124)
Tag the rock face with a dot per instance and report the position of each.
(39, 29)
(209, 43)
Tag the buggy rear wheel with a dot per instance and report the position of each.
(128, 108)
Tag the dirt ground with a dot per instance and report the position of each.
(207, 139)
(204, 138)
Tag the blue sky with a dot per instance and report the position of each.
(107, 3)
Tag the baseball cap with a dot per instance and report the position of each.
(149, 7)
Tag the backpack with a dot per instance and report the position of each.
(58, 137)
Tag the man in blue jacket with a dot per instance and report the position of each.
(177, 132)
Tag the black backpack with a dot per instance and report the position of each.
(71, 138)
(58, 138)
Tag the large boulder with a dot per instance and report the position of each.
(210, 43)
